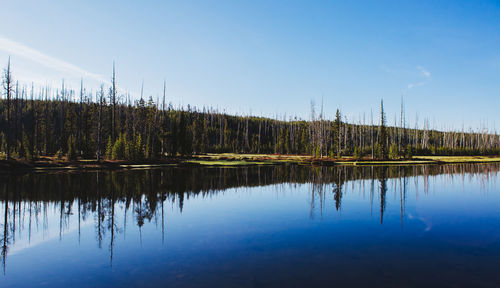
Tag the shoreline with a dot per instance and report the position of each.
(229, 160)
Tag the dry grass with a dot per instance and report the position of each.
(226, 162)
(245, 159)
(460, 159)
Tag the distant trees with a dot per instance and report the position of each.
(112, 126)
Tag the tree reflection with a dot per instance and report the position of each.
(5, 240)
(337, 189)
(383, 191)
(107, 196)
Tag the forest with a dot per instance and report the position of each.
(77, 124)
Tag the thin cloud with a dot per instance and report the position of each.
(386, 69)
(15, 48)
(423, 73)
(413, 85)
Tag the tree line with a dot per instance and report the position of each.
(62, 122)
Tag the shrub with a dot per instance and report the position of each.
(409, 152)
(393, 151)
(109, 148)
(358, 153)
(118, 151)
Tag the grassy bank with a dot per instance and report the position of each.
(230, 160)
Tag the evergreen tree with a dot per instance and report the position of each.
(336, 131)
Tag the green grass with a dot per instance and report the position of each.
(235, 156)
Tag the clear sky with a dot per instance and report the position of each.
(271, 57)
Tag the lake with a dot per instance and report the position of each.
(258, 226)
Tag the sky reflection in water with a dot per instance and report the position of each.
(253, 226)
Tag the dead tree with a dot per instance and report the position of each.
(7, 85)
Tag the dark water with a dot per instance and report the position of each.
(284, 226)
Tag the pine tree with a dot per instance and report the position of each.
(337, 126)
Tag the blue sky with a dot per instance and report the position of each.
(271, 57)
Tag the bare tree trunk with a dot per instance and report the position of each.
(372, 143)
(162, 118)
(99, 125)
(113, 103)
(46, 138)
(80, 110)
(8, 90)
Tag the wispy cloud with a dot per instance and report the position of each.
(386, 69)
(12, 47)
(413, 85)
(423, 73)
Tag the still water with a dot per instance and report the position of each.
(286, 226)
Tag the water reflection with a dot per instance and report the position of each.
(32, 203)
